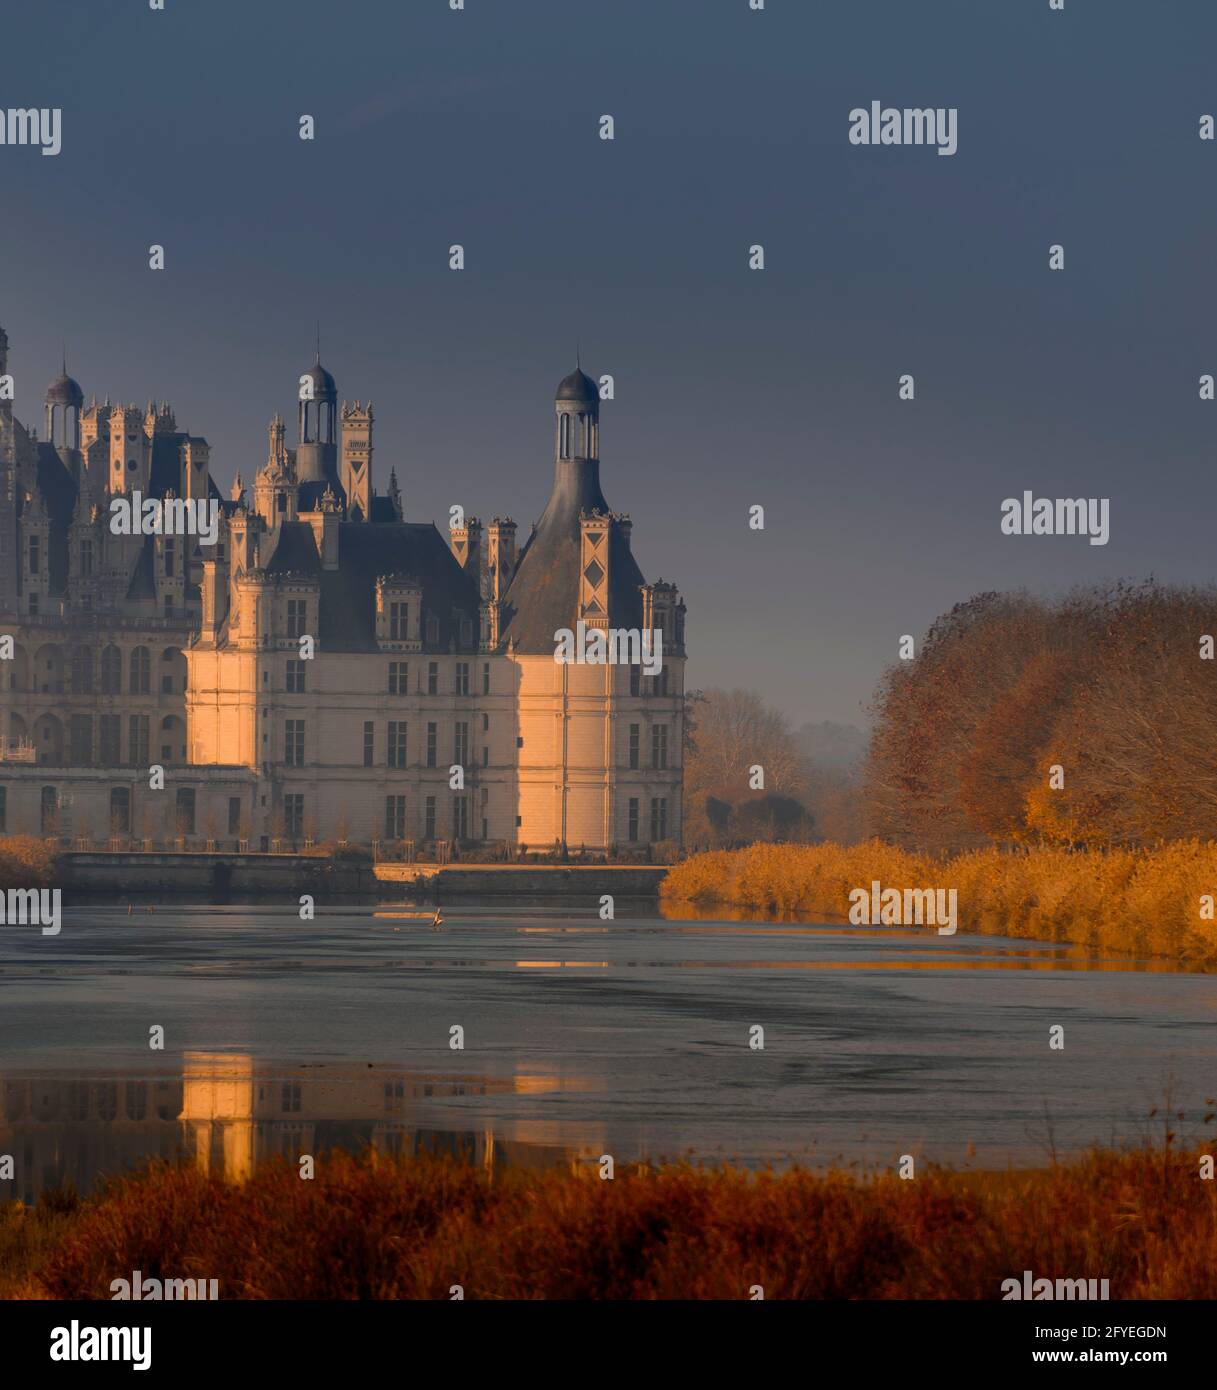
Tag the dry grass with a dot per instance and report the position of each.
(411, 1229)
(1145, 901)
(26, 862)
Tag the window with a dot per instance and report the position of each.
(399, 678)
(297, 613)
(635, 679)
(397, 744)
(659, 745)
(485, 677)
(295, 676)
(462, 678)
(293, 815)
(82, 671)
(34, 605)
(141, 671)
(82, 739)
(432, 742)
(289, 1097)
(185, 811)
(111, 671)
(293, 742)
(86, 559)
(632, 832)
(460, 816)
(49, 811)
(659, 818)
(34, 553)
(485, 759)
(169, 545)
(460, 743)
(395, 817)
(369, 743)
(110, 737)
(120, 810)
(399, 622)
(429, 818)
(137, 739)
(234, 815)
(634, 730)
(432, 677)
(564, 436)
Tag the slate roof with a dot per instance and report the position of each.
(365, 552)
(544, 594)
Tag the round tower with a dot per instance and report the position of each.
(317, 445)
(64, 401)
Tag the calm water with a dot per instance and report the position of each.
(581, 1038)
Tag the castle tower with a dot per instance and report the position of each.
(577, 406)
(356, 476)
(275, 486)
(316, 449)
(63, 402)
(130, 450)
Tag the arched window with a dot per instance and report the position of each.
(564, 433)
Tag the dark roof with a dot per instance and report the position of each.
(365, 552)
(544, 595)
(577, 387)
(324, 385)
(309, 494)
(58, 489)
(382, 509)
(64, 391)
(143, 579)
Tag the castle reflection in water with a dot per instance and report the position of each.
(226, 1113)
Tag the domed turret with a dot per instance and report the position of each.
(317, 446)
(64, 401)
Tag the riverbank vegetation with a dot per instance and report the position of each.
(415, 1228)
(26, 862)
(1149, 901)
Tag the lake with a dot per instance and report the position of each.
(581, 1038)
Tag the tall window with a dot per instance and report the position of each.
(659, 818)
(634, 732)
(397, 743)
(137, 739)
(460, 816)
(659, 745)
(297, 613)
(635, 679)
(110, 735)
(429, 818)
(462, 678)
(234, 815)
(485, 677)
(633, 819)
(395, 817)
(111, 671)
(169, 557)
(432, 743)
(184, 818)
(295, 676)
(399, 678)
(399, 622)
(141, 671)
(82, 671)
(34, 554)
(120, 810)
(432, 677)
(369, 743)
(86, 559)
(293, 815)
(564, 435)
(82, 740)
(293, 742)
(460, 743)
